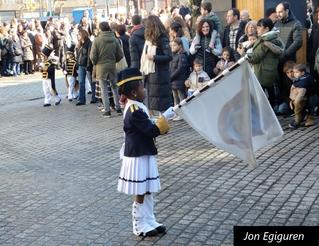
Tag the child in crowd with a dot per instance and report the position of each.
(48, 77)
(299, 94)
(197, 79)
(70, 68)
(226, 61)
(283, 107)
(248, 45)
(179, 70)
(139, 174)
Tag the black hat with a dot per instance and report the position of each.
(47, 50)
(71, 48)
(128, 74)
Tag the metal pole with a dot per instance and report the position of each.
(137, 11)
(50, 7)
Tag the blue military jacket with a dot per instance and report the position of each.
(140, 132)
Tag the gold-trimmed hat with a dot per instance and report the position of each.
(127, 75)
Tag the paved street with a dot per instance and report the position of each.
(59, 168)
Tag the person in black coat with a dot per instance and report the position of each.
(136, 41)
(83, 59)
(6, 55)
(179, 70)
(155, 61)
(16, 51)
(120, 31)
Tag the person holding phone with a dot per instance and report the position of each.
(197, 79)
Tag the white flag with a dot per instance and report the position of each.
(233, 114)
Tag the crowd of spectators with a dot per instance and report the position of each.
(176, 52)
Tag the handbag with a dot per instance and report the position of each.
(122, 64)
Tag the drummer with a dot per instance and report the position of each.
(48, 77)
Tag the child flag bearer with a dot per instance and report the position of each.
(139, 174)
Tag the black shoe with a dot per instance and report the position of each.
(93, 101)
(119, 111)
(46, 105)
(107, 114)
(79, 104)
(294, 125)
(70, 100)
(58, 102)
(151, 233)
(161, 229)
(90, 92)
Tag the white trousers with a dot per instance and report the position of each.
(48, 93)
(71, 82)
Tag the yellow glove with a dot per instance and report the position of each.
(162, 124)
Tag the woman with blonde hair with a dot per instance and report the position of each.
(250, 29)
(155, 60)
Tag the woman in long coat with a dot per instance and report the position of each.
(17, 52)
(155, 60)
(27, 52)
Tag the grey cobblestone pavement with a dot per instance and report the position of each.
(59, 168)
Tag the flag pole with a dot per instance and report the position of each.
(211, 82)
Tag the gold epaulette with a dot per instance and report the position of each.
(133, 108)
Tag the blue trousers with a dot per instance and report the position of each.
(82, 76)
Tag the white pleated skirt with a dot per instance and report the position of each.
(139, 175)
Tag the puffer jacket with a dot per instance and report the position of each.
(157, 84)
(106, 51)
(291, 35)
(179, 70)
(265, 60)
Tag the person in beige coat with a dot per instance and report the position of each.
(105, 53)
(27, 55)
